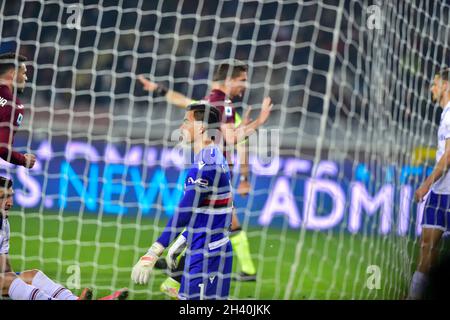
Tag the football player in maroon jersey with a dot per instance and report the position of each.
(13, 76)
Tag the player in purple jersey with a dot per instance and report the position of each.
(204, 212)
(229, 82)
(13, 76)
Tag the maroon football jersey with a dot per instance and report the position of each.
(11, 116)
(219, 100)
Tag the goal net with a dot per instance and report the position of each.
(330, 212)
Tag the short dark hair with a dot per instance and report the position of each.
(5, 183)
(444, 74)
(203, 111)
(230, 68)
(10, 60)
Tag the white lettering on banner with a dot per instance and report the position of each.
(311, 219)
(292, 166)
(283, 197)
(362, 200)
(86, 151)
(33, 196)
(132, 157)
(313, 187)
(45, 151)
(172, 157)
(281, 201)
(405, 205)
(150, 157)
(258, 168)
(325, 167)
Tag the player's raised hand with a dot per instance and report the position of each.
(144, 267)
(147, 84)
(266, 108)
(30, 160)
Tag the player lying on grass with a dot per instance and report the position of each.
(229, 82)
(205, 211)
(13, 76)
(436, 216)
(31, 284)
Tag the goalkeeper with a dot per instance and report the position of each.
(229, 82)
(205, 211)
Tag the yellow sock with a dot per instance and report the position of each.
(170, 287)
(240, 245)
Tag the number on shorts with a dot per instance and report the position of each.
(202, 290)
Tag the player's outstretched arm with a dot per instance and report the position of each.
(144, 267)
(195, 192)
(6, 153)
(159, 90)
(236, 135)
(439, 170)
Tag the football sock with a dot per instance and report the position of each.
(19, 290)
(418, 284)
(51, 288)
(240, 245)
(171, 283)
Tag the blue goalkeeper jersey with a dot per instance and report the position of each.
(205, 209)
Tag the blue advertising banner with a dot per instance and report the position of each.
(99, 177)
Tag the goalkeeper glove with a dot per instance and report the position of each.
(142, 270)
(174, 251)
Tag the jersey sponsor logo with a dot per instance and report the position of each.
(201, 164)
(20, 106)
(3, 101)
(199, 181)
(211, 279)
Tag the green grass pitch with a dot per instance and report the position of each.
(307, 264)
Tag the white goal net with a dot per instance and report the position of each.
(330, 216)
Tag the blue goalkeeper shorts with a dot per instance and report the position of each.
(207, 276)
(436, 213)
